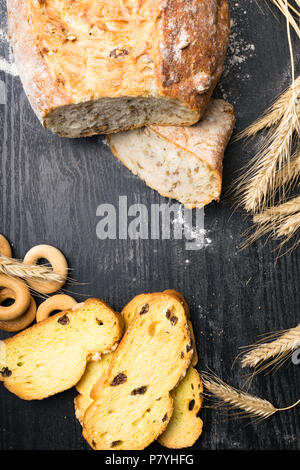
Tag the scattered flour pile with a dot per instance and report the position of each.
(239, 51)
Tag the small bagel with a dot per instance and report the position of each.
(59, 302)
(5, 249)
(22, 322)
(22, 298)
(58, 263)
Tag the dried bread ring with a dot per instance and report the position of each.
(59, 302)
(22, 298)
(21, 322)
(58, 263)
(5, 248)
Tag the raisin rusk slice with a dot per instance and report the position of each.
(137, 410)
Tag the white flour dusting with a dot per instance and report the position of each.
(192, 233)
(6, 55)
(238, 51)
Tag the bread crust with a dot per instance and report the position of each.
(206, 141)
(196, 139)
(163, 36)
(191, 73)
(42, 90)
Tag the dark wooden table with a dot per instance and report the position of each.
(50, 190)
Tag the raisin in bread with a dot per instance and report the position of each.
(132, 404)
(180, 163)
(91, 67)
(51, 356)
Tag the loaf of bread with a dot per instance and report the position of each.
(183, 163)
(102, 66)
(51, 356)
(132, 404)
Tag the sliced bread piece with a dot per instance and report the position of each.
(188, 429)
(185, 426)
(183, 163)
(132, 403)
(134, 305)
(51, 356)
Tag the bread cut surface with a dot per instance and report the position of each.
(182, 426)
(130, 310)
(132, 404)
(182, 163)
(185, 427)
(51, 356)
(101, 66)
(94, 371)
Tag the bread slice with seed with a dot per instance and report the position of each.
(51, 356)
(132, 404)
(183, 163)
(185, 426)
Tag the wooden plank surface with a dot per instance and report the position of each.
(50, 190)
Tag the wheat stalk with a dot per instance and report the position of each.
(16, 268)
(234, 399)
(257, 187)
(260, 180)
(288, 175)
(284, 6)
(273, 350)
(281, 221)
(276, 166)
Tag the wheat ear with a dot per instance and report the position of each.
(288, 175)
(230, 397)
(259, 180)
(257, 187)
(282, 221)
(273, 350)
(16, 268)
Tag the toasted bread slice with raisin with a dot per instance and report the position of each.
(185, 426)
(182, 427)
(97, 369)
(51, 356)
(130, 309)
(132, 404)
